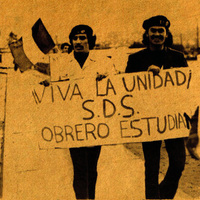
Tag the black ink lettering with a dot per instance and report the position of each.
(90, 131)
(63, 97)
(97, 89)
(181, 120)
(77, 132)
(187, 119)
(104, 108)
(48, 130)
(78, 92)
(158, 125)
(133, 85)
(168, 80)
(154, 81)
(133, 127)
(143, 83)
(52, 94)
(169, 122)
(178, 82)
(149, 78)
(189, 79)
(148, 123)
(92, 113)
(121, 128)
(110, 86)
(176, 120)
(68, 133)
(101, 127)
(58, 133)
(127, 107)
(35, 95)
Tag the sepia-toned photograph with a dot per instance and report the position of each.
(99, 100)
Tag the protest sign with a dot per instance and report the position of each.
(84, 112)
(121, 108)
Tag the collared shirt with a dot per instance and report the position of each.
(66, 67)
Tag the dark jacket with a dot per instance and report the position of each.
(168, 58)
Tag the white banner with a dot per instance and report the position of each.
(121, 108)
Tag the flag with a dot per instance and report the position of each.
(41, 37)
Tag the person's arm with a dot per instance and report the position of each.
(109, 69)
(155, 69)
(21, 61)
(43, 68)
(184, 61)
(134, 63)
(129, 65)
(193, 138)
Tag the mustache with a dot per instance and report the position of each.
(78, 45)
(157, 37)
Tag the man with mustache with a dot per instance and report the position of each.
(155, 57)
(83, 63)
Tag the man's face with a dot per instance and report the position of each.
(80, 43)
(65, 49)
(157, 35)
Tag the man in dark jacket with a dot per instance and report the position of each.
(155, 57)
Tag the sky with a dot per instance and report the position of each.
(111, 20)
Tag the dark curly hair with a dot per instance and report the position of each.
(88, 31)
(168, 41)
(64, 44)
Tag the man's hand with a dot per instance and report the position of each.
(20, 59)
(155, 69)
(13, 39)
(193, 138)
(100, 76)
(191, 145)
(46, 83)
